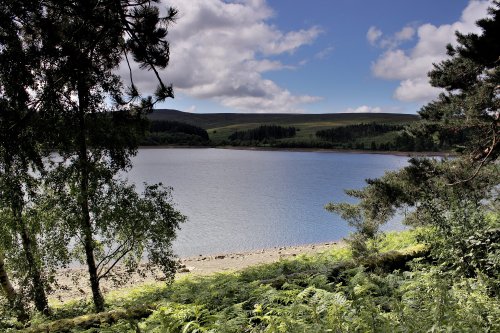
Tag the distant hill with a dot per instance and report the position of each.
(232, 128)
(220, 125)
(218, 120)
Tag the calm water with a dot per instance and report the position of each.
(240, 200)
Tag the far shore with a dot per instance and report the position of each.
(73, 282)
(315, 150)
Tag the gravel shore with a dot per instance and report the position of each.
(73, 283)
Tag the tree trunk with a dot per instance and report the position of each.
(40, 298)
(95, 321)
(11, 294)
(84, 199)
(7, 287)
(29, 248)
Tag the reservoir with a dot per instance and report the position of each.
(240, 200)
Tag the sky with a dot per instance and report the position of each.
(315, 56)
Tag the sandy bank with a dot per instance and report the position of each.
(73, 283)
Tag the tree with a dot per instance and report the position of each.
(127, 224)
(451, 198)
(61, 59)
(86, 41)
(7, 287)
(471, 78)
(12, 295)
(20, 154)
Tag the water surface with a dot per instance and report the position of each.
(239, 200)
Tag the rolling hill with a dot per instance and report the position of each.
(220, 125)
(218, 120)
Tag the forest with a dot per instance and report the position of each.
(264, 132)
(165, 132)
(64, 146)
(349, 133)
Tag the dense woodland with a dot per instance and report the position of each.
(443, 275)
(175, 126)
(349, 133)
(164, 132)
(264, 132)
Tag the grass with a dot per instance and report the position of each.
(296, 295)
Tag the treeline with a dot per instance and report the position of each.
(444, 139)
(164, 132)
(371, 136)
(417, 138)
(430, 140)
(365, 136)
(264, 132)
(175, 126)
(352, 132)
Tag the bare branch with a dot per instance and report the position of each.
(103, 275)
(488, 152)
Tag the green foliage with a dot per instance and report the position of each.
(21, 150)
(471, 80)
(420, 299)
(418, 137)
(440, 303)
(366, 228)
(472, 242)
(453, 202)
(61, 93)
(127, 224)
(422, 191)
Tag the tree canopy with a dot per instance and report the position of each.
(60, 91)
(452, 199)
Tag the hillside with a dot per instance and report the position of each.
(221, 125)
(219, 120)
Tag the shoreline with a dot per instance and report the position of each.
(73, 284)
(313, 150)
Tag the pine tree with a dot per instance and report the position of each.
(471, 78)
(462, 187)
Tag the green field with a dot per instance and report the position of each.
(220, 125)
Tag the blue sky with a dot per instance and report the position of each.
(315, 56)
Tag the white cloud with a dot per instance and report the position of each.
(373, 35)
(363, 109)
(220, 51)
(411, 66)
(325, 53)
(417, 89)
(405, 34)
(290, 41)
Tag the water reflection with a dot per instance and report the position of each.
(242, 200)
